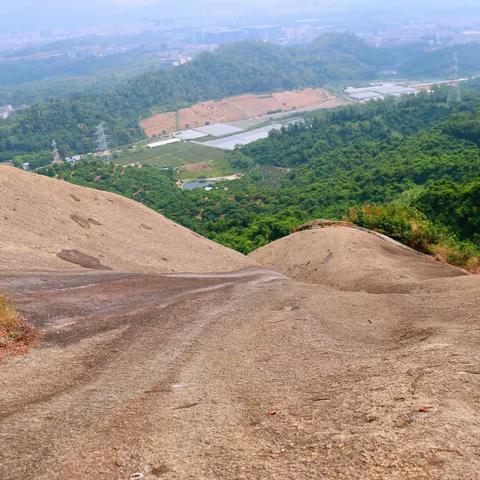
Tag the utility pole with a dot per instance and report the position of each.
(454, 96)
(177, 120)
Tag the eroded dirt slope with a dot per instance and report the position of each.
(238, 375)
(246, 375)
(47, 224)
(351, 259)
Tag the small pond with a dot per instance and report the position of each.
(201, 183)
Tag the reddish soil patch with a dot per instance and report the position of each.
(234, 108)
(195, 167)
(425, 87)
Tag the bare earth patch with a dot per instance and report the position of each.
(79, 258)
(195, 167)
(360, 362)
(237, 108)
(104, 226)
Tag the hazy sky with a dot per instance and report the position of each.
(27, 14)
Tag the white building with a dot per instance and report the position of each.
(379, 91)
(162, 143)
(6, 111)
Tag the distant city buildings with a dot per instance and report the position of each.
(469, 36)
(431, 33)
(170, 43)
(222, 35)
(265, 33)
(219, 36)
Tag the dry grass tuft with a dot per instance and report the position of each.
(473, 265)
(15, 333)
(456, 256)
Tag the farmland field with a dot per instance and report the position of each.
(235, 108)
(173, 155)
(177, 155)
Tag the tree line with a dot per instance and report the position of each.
(333, 59)
(407, 167)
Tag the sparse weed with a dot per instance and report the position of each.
(15, 332)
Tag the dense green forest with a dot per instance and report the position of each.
(33, 81)
(333, 59)
(407, 167)
(16, 71)
(65, 67)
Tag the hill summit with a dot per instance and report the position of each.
(52, 225)
(353, 259)
(364, 364)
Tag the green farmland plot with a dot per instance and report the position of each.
(173, 155)
(177, 155)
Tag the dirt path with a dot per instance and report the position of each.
(241, 376)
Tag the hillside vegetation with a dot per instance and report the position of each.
(256, 67)
(27, 81)
(408, 168)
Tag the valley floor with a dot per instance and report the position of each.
(248, 375)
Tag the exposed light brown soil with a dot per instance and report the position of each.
(195, 167)
(236, 108)
(429, 86)
(351, 259)
(248, 374)
(41, 217)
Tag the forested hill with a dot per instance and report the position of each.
(406, 167)
(230, 70)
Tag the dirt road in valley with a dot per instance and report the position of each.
(241, 376)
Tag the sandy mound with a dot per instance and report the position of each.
(229, 375)
(351, 259)
(48, 224)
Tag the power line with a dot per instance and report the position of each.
(454, 96)
(57, 159)
(102, 144)
(101, 141)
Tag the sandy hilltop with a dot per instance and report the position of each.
(333, 353)
(52, 225)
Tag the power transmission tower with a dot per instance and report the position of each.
(101, 141)
(57, 159)
(454, 96)
(102, 144)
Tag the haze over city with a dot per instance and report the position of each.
(28, 14)
(239, 239)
